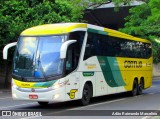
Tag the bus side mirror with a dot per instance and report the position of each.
(64, 47)
(5, 49)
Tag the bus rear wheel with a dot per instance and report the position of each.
(140, 87)
(86, 95)
(135, 88)
(43, 103)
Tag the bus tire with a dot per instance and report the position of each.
(43, 103)
(134, 89)
(86, 95)
(140, 87)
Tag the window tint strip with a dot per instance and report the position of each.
(97, 31)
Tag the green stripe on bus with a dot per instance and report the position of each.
(45, 84)
(111, 71)
(97, 31)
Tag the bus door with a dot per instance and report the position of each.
(72, 78)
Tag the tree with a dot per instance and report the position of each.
(144, 22)
(18, 15)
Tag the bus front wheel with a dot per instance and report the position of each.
(43, 103)
(86, 95)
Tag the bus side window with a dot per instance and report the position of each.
(92, 46)
(70, 62)
(79, 36)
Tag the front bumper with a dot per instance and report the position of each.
(43, 94)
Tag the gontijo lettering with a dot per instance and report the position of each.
(133, 64)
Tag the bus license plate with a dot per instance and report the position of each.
(33, 96)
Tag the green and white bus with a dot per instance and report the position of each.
(77, 61)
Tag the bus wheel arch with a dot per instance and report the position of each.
(87, 93)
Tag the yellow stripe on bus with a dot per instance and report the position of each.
(24, 84)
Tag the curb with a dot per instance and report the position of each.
(156, 77)
(5, 91)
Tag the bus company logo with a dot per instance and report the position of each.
(148, 64)
(90, 65)
(133, 64)
(25, 85)
(72, 93)
(33, 90)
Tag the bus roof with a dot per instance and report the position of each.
(50, 29)
(62, 28)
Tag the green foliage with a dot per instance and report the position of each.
(17, 15)
(144, 22)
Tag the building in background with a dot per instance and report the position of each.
(104, 15)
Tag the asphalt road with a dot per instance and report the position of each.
(149, 100)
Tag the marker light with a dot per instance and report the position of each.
(56, 96)
(59, 85)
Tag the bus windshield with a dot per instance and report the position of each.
(38, 57)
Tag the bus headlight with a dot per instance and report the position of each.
(14, 85)
(58, 85)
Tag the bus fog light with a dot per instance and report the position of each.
(14, 95)
(56, 96)
(14, 85)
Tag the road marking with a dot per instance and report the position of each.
(153, 86)
(154, 93)
(151, 93)
(77, 108)
(5, 98)
(82, 107)
(99, 103)
(16, 105)
(85, 107)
